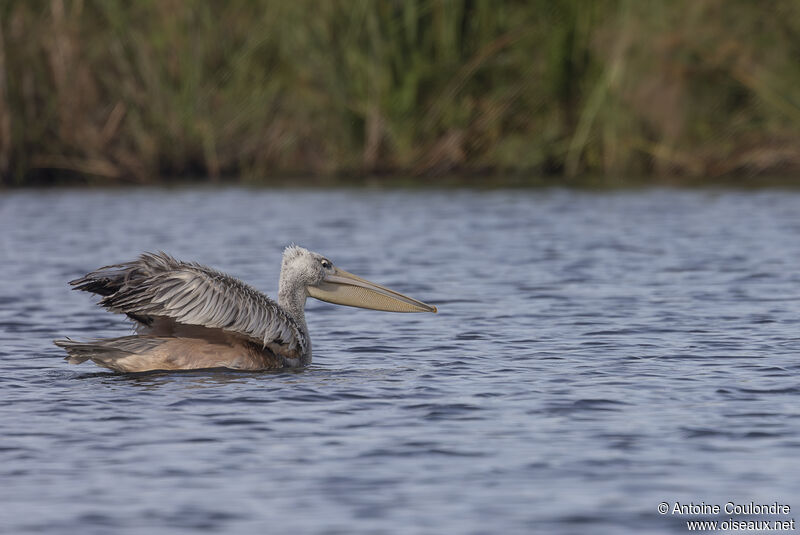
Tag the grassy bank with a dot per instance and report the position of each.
(120, 92)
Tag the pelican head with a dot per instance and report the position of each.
(305, 273)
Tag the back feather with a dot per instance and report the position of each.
(157, 285)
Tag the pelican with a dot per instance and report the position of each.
(189, 316)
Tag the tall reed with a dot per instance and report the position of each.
(115, 91)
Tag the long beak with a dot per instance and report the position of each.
(344, 288)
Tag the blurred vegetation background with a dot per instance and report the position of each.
(111, 91)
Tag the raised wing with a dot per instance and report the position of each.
(158, 286)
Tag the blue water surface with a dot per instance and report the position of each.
(594, 355)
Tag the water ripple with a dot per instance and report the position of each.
(594, 355)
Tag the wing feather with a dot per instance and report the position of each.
(158, 285)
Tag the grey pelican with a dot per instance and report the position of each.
(189, 316)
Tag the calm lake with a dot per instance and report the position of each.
(594, 355)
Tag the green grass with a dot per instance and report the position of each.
(566, 92)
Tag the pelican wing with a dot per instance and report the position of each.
(158, 286)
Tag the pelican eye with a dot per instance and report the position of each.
(327, 264)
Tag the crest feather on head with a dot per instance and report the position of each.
(293, 250)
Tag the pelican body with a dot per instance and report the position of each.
(189, 316)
